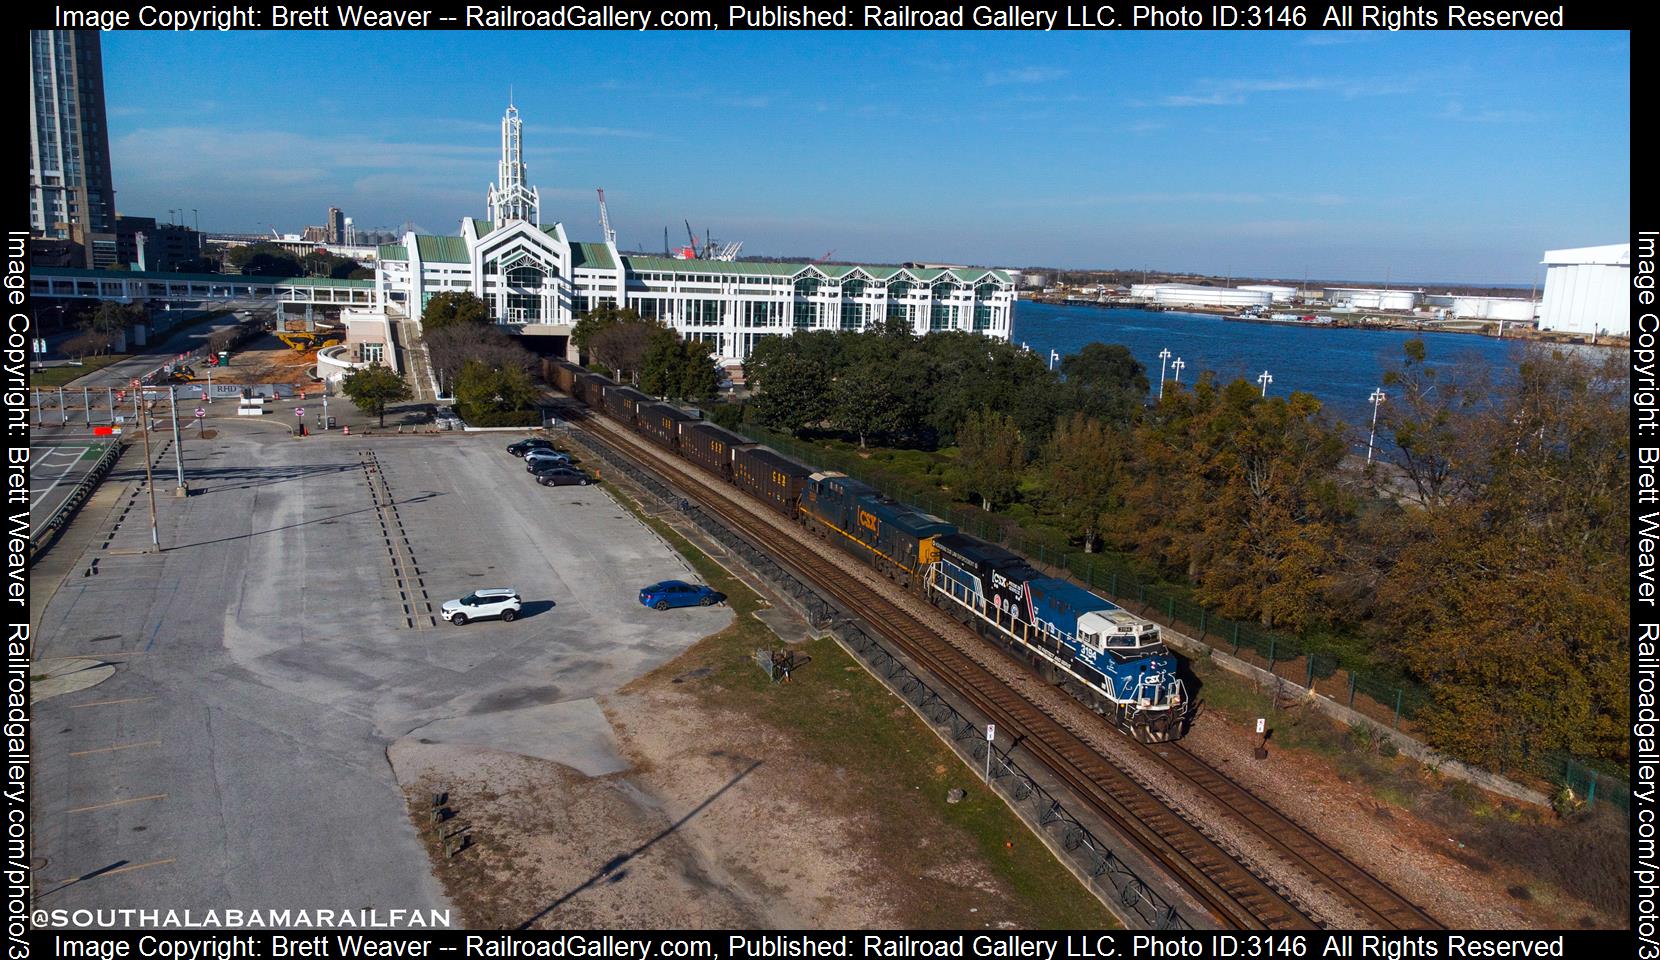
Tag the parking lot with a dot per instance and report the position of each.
(284, 640)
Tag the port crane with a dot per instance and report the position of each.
(605, 219)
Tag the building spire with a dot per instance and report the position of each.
(510, 197)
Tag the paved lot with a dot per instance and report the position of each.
(55, 469)
(265, 663)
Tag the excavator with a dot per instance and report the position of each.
(302, 341)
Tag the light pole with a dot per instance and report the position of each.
(1265, 378)
(1164, 357)
(1177, 365)
(178, 455)
(149, 477)
(1377, 399)
(1054, 358)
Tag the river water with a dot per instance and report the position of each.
(1340, 366)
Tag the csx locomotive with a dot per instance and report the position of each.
(1112, 659)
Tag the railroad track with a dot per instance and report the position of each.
(1365, 893)
(1232, 892)
(406, 573)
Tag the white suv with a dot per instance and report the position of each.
(503, 603)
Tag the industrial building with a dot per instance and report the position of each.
(1195, 295)
(1508, 309)
(1278, 293)
(537, 279)
(1373, 298)
(1587, 290)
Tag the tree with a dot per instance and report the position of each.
(677, 369)
(450, 347)
(371, 388)
(1083, 473)
(1106, 382)
(792, 378)
(481, 389)
(90, 342)
(621, 345)
(876, 399)
(265, 260)
(1431, 426)
(993, 455)
(112, 319)
(454, 308)
(1513, 601)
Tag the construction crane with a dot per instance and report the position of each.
(827, 255)
(605, 219)
(729, 252)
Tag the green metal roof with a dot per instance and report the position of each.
(442, 249)
(74, 273)
(593, 255)
(834, 271)
(481, 227)
(393, 251)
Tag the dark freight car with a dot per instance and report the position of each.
(622, 402)
(590, 389)
(561, 374)
(831, 498)
(661, 423)
(775, 478)
(710, 447)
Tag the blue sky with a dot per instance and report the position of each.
(1427, 155)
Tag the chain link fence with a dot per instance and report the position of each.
(1391, 700)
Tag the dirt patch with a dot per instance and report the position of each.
(748, 804)
(265, 359)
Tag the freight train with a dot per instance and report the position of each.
(1108, 657)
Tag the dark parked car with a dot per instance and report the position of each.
(538, 460)
(531, 443)
(563, 477)
(679, 593)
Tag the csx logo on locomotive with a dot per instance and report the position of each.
(868, 521)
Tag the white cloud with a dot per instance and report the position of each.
(996, 78)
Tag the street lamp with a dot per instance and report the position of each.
(1265, 378)
(1177, 365)
(1377, 399)
(1164, 356)
(1054, 358)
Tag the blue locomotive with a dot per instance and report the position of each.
(1117, 658)
(1110, 658)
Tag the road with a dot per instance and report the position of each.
(121, 373)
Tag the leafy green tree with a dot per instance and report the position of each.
(1105, 381)
(482, 389)
(993, 456)
(793, 379)
(454, 308)
(371, 388)
(876, 399)
(1084, 474)
(699, 376)
(264, 260)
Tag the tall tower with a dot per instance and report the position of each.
(70, 189)
(509, 198)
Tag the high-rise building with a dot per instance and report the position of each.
(336, 225)
(70, 190)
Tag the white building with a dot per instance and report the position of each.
(1278, 293)
(1587, 290)
(1512, 309)
(1195, 295)
(535, 278)
(1372, 298)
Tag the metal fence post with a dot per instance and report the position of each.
(1170, 608)
(1591, 790)
(1204, 615)
(1273, 647)
(1398, 692)
(1236, 637)
(1309, 683)
(1351, 688)
(1114, 588)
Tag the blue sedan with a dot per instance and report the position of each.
(678, 593)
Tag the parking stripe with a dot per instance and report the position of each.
(123, 746)
(116, 803)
